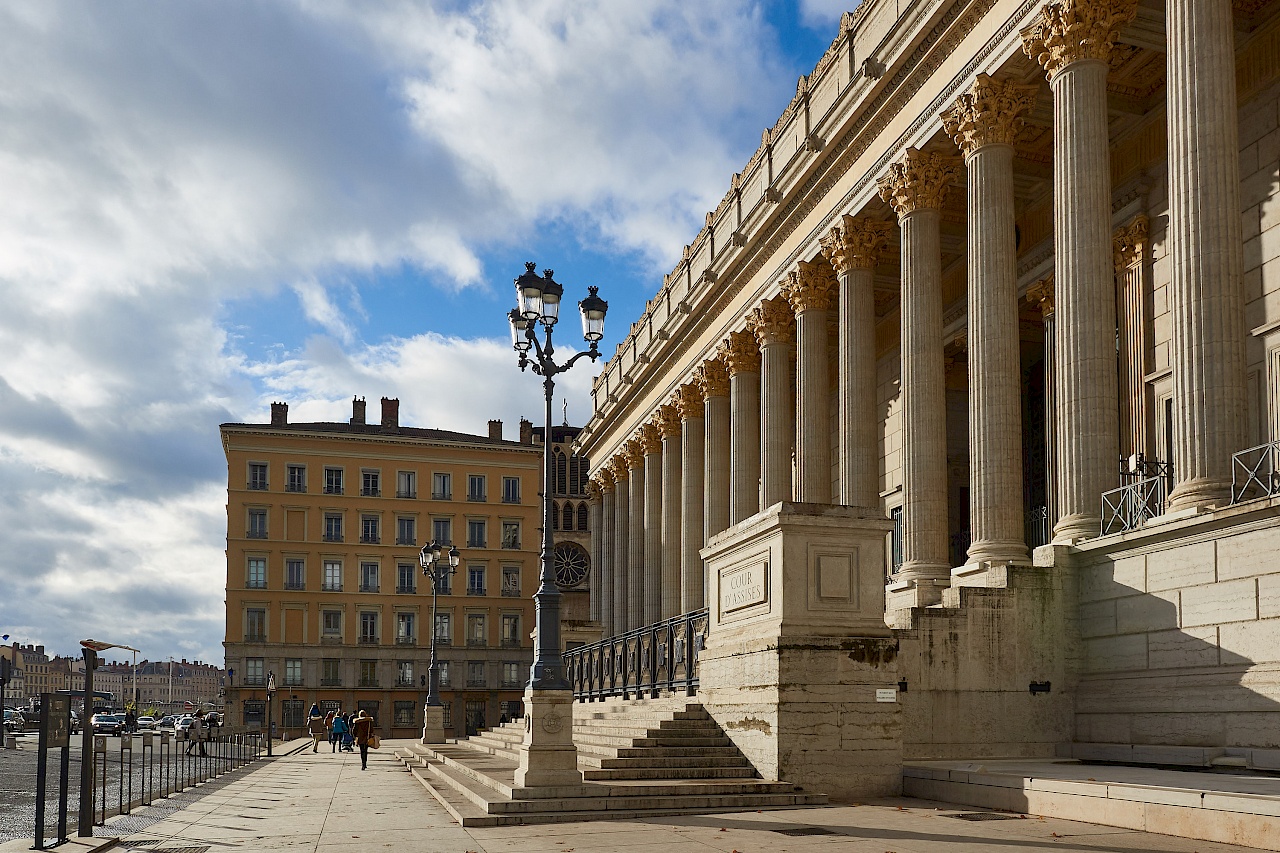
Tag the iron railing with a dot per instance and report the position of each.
(1036, 527)
(643, 662)
(1129, 507)
(1255, 472)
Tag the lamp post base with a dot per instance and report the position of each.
(548, 757)
(433, 724)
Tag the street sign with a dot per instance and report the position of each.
(271, 682)
(57, 720)
(188, 706)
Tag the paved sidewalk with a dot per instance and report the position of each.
(324, 802)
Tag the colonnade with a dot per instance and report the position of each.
(721, 449)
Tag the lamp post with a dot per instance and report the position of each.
(438, 565)
(547, 755)
(271, 692)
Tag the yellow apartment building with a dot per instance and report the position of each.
(324, 589)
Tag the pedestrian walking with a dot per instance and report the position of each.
(315, 727)
(339, 732)
(362, 728)
(195, 733)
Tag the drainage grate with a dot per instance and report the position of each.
(204, 849)
(985, 816)
(807, 830)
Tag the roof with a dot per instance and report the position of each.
(367, 429)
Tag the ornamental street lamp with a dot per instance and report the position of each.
(548, 756)
(438, 565)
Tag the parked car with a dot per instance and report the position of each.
(166, 722)
(146, 724)
(181, 727)
(107, 724)
(14, 722)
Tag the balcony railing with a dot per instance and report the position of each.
(442, 496)
(511, 593)
(254, 637)
(257, 485)
(406, 590)
(476, 641)
(368, 682)
(406, 540)
(331, 682)
(295, 487)
(511, 499)
(1255, 473)
(330, 536)
(1129, 507)
(370, 538)
(329, 586)
(256, 534)
(478, 497)
(368, 587)
(404, 682)
(253, 583)
(643, 662)
(412, 493)
(1036, 527)
(370, 493)
(511, 642)
(295, 585)
(330, 639)
(406, 641)
(476, 682)
(331, 489)
(475, 590)
(254, 681)
(366, 640)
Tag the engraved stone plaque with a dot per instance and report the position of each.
(743, 586)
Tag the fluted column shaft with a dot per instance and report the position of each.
(692, 509)
(772, 323)
(1130, 243)
(809, 291)
(1072, 40)
(713, 379)
(653, 552)
(595, 511)
(637, 554)
(743, 360)
(917, 187)
(672, 494)
(854, 248)
(607, 527)
(621, 548)
(1206, 296)
(984, 122)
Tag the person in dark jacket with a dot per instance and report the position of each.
(362, 728)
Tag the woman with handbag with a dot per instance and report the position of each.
(362, 729)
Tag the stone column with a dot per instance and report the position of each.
(1072, 40)
(637, 554)
(595, 511)
(742, 357)
(621, 542)
(608, 529)
(983, 124)
(1041, 294)
(713, 378)
(651, 439)
(772, 323)
(1206, 296)
(672, 492)
(854, 247)
(916, 187)
(1129, 245)
(692, 409)
(810, 291)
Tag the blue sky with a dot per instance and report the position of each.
(213, 205)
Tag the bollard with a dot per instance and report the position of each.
(126, 769)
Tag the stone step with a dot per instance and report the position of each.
(664, 741)
(676, 751)
(636, 730)
(675, 761)
(637, 773)
(463, 810)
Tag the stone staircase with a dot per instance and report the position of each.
(638, 759)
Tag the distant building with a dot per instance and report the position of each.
(37, 674)
(324, 526)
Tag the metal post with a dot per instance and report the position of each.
(85, 816)
(42, 753)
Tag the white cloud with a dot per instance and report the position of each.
(823, 13)
(162, 162)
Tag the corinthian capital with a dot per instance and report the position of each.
(990, 113)
(772, 322)
(1129, 243)
(1041, 294)
(855, 244)
(918, 181)
(604, 480)
(712, 376)
(650, 438)
(634, 451)
(690, 399)
(668, 421)
(619, 467)
(1069, 31)
(810, 288)
(740, 353)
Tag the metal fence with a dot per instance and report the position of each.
(1129, 507)
(641, 663)
(1255, 472)
(145, 767)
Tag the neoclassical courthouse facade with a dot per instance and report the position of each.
(956, 413)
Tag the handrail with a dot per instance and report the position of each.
(1129, 507)
(642, 662)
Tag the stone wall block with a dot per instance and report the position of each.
(1111, 654)
(1269, 597)
(1249, 554)
(1113, 579)
(1175, 729)
(1186, 565)
(1250, 642)
(1188, 647)
(1216, 603)
(1152, 612)
(1097, 619)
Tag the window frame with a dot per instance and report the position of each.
(510, 490)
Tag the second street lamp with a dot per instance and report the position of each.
(438, 565)
(547, 755)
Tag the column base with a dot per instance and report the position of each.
(901, 595)
(1070, 529)
(1199, 494)
(433, 724)
(548, 758)
(1007, 552)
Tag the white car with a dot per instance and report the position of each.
(145, 723)
(182, 726)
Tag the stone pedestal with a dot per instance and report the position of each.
(548, 758)
(800, 669)
(433, 724)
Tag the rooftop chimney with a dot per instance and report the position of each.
(391, 414)
(357, 410)
(526, 431)
(279, 414)
(495, 430)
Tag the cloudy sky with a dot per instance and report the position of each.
(207, 206)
